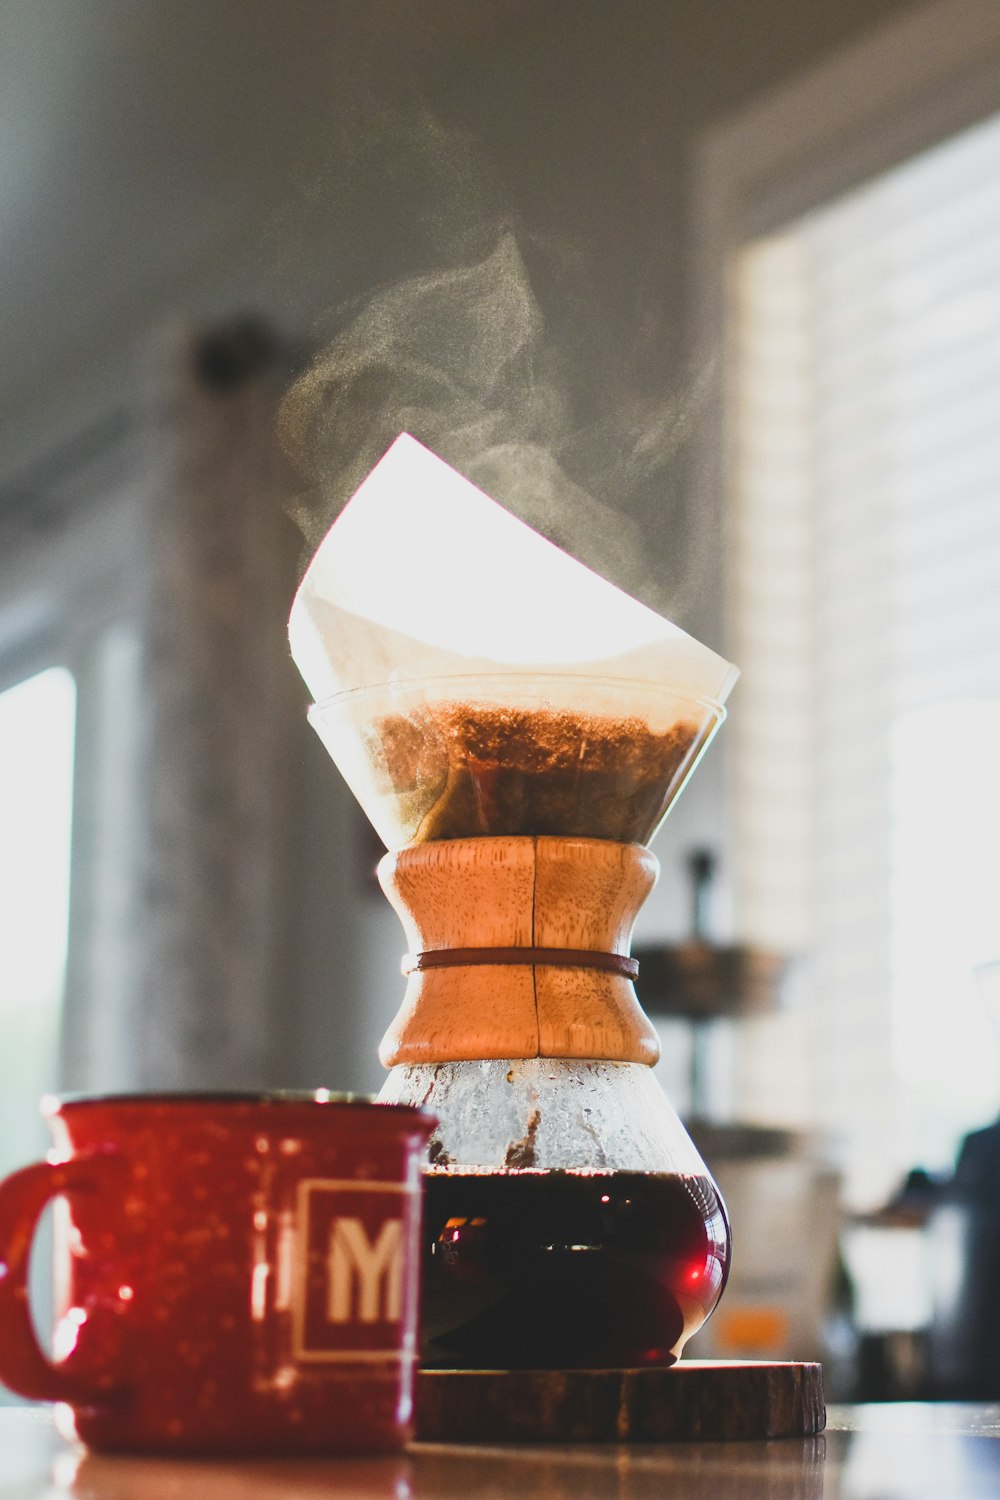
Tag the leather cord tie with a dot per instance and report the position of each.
(565, 958)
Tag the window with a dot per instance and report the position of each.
(36, 781)
(72, 582)
(861, 263)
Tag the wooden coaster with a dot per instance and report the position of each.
(696, 1399)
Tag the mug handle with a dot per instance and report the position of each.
(23, 1196)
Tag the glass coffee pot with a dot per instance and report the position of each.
(568, 1218)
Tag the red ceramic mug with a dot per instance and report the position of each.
(234, 1273)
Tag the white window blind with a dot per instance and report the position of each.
(867, 492)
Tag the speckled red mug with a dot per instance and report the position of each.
(234, 1273)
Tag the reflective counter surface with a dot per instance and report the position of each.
(892, 1452)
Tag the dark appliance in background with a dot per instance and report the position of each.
(928, 1307)
(963, 1230)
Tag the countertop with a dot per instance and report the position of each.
(891, 1452)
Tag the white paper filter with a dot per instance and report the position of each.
(423, 575)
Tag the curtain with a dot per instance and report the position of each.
(190, 710)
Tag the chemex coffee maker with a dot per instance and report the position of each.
(516, 729)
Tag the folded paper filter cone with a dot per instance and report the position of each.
(459, 662)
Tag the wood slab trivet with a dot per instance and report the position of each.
(696, 1399)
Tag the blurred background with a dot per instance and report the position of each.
(733, 270)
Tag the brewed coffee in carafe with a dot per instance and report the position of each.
(516, 770)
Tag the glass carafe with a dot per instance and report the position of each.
(569, 1220)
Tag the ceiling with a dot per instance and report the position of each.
(154, 153)
(195, 157)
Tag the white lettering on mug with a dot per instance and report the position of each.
(347, 1264)
(374, 1271)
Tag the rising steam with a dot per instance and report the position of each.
(461, 357)
(458, 359)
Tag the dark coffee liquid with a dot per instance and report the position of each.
(538, 1269)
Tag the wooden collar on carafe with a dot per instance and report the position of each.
(518, 947)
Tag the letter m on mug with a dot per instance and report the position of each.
(349, 1270)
